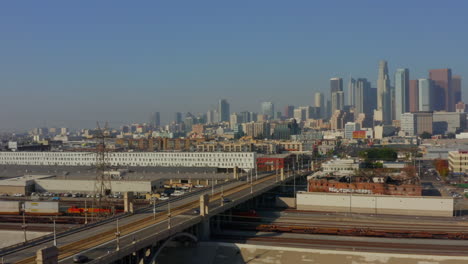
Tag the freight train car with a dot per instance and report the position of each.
(41, 208)
(10, 207)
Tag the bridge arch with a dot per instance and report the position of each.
(182, 234)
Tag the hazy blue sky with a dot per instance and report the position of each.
(70, 63)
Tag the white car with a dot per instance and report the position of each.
(199, 186)
(163, 198)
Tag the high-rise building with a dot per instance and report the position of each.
(178, 118)
(300, 114)
(235, 119)
(349, 128)
(336, 85)
(352, 92)
(337, 101)
(268, 109)
(384, 95)
(442, 83)
(362, 100)
(223, 110)
(288, 111)
(401, 92)
(457, 91)
(413, 124)
(155, 120)
(425, 95)
(413, 96)
(319, 101)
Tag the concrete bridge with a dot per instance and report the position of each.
(140, 238)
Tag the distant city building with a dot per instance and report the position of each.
(258, 130)
(339, 119)
(350, 127)
(234, 120)
(413, 99)
(442, 82)
(457, 161)
(425, 95)
(336, 85)
(223, 110)
(319, 101)
(300, 114)
(413, 124)
(457, 89)
(362, 100)
(352, 92)
(288, 111)
(448, 122)
(337, 101)
(461, 107)
(155, 120)
(401, 92)
(178, 118)
(384, 93)
(268, 109)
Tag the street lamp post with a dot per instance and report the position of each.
(117, 236)
(168, 215)
(24, 226)
(55, 234)
(154, 208)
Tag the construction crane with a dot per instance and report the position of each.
(102, 186)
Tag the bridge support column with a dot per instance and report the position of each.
(128, 202)
(282, 174)
(47, 255)
(236, 175)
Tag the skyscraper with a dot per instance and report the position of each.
(268, 109)
(362, 99)
(401, 92)
(155, 120)
(319, 101)
(425, 95)
(442, 82)
(413, 98)
(223, 110)
(457, 91)
(288, 111)
(337, 101)
(384, 95)
(178, 118)
(352, 92)
(336, 85)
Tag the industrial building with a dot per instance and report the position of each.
(458, 161)
(242, 160)
(375, 204)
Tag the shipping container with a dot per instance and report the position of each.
(42, 208)
(10, 207)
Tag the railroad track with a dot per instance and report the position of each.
(347, 230)
(106, 236)
(431, 249)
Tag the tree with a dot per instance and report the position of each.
(442, 167)
(425, 135)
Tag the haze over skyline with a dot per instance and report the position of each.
(72, 63)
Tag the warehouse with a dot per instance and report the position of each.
(22, 185)
(375, 204)
(243, 160)
(88, 185)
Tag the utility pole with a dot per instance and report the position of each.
(86, 212)
(212, 185)
(154, 208)
(55, 234)
(168, 215)
(251, 184)
(24, 226)
(117, 236)
(222, 195)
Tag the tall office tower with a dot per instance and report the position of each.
(223, 110)
(362, 99)
(425, 95)
(178, 118)
(352, 92)
(384, 93)
(413, 96)
(372, 100)
(319, 101)
(457, 91)
(288, 111)
(155, 120)
(401, 92)
(337, 101)
(442, 82)
(336, 85)
(245, 116)
(268, 109)
(234, 119)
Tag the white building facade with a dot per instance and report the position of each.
(243, 160)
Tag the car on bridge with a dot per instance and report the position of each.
(80, 258)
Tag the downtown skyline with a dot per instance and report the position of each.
(126, 61)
